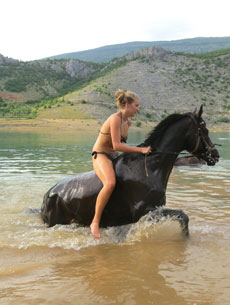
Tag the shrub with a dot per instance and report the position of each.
(138, 124)
(16, 85)
(148, 115)
(224, 119)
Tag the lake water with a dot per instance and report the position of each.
(144, 263)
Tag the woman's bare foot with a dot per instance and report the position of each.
(95, 230)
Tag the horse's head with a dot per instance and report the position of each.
(204, 148)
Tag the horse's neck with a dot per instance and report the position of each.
(171, 144)
(174, 139)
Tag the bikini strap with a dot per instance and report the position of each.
(121, 116)
(111, 157)
(104, 133)
(95, 153)
(123, 139)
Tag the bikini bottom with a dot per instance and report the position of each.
(111, 156)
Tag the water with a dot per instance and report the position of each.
(143, 263)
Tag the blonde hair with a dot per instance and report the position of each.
(123, 97)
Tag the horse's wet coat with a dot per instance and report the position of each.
(136, 194)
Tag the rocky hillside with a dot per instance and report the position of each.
(37, 80)
(166, 82)
(6, 60)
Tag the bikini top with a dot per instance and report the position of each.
(123, 139)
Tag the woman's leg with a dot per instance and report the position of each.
(103, 168)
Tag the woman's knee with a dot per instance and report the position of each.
(110, 185)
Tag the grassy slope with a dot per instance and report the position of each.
(33, 81)
(64, 112)
(176, 83)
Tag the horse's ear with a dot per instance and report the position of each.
(200, 111)
(195, 110)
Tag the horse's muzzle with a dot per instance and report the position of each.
(211, 157)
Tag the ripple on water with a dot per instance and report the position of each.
(23, 230)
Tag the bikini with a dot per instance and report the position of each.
(113, 155)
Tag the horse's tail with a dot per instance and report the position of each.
(53, 210)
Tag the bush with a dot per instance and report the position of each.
(18, 111)
(224, 119)
(138, 124)
(16, 85)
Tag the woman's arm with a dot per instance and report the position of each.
(115, 124)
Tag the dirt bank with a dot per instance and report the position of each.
(75, 125)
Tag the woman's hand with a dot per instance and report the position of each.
(146, 150)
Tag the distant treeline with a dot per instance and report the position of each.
(206, 73)
(107, 53)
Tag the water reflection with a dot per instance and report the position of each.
(68, 153)
(139, 264)
(134, 278)
(23, 153)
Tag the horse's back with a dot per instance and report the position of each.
(61, 202)
(78, 186)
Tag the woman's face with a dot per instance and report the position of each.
(133, 107)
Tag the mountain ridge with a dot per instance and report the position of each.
(165, 81)
(188, 45)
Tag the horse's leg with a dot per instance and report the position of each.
(177, 215)
(53, 211)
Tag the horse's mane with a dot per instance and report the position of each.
(155, 135)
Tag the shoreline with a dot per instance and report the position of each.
(49, 125)
(66, 125)
(59, 125)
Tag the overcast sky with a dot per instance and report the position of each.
(34, 29)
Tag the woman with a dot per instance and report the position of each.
(112, 138)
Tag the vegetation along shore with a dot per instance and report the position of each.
(52, 91)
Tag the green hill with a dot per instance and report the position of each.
(106, 53)
(166, 82)
(36, 80)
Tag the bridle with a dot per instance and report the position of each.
(200, 138)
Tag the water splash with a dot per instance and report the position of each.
(29, 231)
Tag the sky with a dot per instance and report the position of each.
(34, 29)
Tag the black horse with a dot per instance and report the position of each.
(141, 180)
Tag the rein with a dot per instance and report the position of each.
(199, 137)
(155, 152)
(146, 170)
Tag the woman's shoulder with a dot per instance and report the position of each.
(115, 117)
(111, 120)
